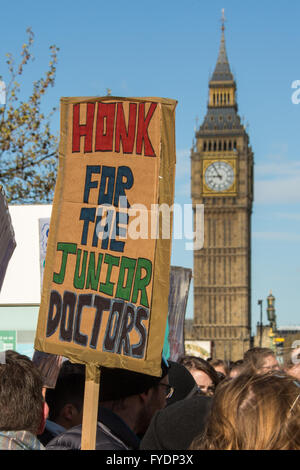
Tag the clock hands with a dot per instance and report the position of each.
(218, 175)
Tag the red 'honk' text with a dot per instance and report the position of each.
(105, 128)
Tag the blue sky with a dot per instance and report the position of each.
(169, 48)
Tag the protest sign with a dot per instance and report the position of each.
(106, 279)
(180, 279)
(196, 348)
(7, 237)
(44, 225)
(8, 340)
(49, 365)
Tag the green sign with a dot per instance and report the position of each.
(8, 340)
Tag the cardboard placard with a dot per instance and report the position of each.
(180, 279)
(7, 237)
(106, 286)
(44, 225)
(49, 365)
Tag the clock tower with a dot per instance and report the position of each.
(222, 180)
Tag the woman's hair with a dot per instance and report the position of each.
(192, 362)
(260, 412)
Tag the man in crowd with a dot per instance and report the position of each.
(128, 401)
(23, 409)
(65, 401)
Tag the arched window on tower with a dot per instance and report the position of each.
(209, 146)
(225, 145)
(220, 145)
(215, 145)
(234, 144)
(204, 146)
(230, 145)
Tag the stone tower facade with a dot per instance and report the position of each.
(222, 180)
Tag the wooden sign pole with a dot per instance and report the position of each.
(90, 407)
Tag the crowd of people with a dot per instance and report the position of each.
(196, 404)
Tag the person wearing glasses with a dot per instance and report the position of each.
(127, 402)
(175, 426)
(253, 412)
(260, 361)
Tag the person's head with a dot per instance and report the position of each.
(260, 360)
(134, 396)
(21, 399)
(236, 368)
(65, 401)
(204, 374)
(220, 366)
(254, 412)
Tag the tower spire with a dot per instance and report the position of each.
(223, 19)
(222, 105)
(222, 69)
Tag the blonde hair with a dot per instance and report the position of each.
(249, 412)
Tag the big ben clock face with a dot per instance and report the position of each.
(219, 176)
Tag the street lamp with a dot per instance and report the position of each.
(259, 302)
(271, 311)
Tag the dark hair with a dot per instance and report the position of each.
(237, 363)
(237, 368)
(116, 384)
(69, 367)
(69, 389)
(219, 362)
(193, 362)
(21, 399)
